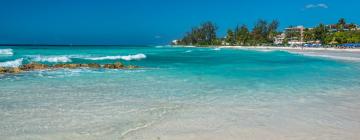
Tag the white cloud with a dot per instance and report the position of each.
(320, 5)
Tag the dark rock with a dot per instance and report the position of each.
(72, 66)
(13, 70)
(34, 66)
(2, 70)
(107, 66)
(94, 65)
(116, 65)
(57, 66)
(84, 65)
(69, 66)
(38, 66)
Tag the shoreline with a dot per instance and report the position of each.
(278, 48)
(330, 53)
(292, 48)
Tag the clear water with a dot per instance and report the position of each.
(180, 93)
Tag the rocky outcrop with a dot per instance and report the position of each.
(38, 66)
(10, 70)
(2, 70)
(33, 66)
(116, 65)
(94, 66)
(14, 70)
(69, 66)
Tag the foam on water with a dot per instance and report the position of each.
(6, 52)
(329, 55)
(51, 59)
(127, 57)
(13, 63)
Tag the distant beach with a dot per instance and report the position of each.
(333, 53)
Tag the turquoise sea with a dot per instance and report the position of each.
(178, 94)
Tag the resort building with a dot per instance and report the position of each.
(175, 42)
(295, 35)
(279, 39)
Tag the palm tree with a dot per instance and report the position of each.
(341, 24)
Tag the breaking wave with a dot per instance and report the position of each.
(52, 59)
(13, 63)
(6, 52)
(127, 57)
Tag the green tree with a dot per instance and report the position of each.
(308, 35)
(208, 29)
(242, 35)
(340, 37)
(259, 33)
(230, 38)
(352, 26)
(202, 35)
(320, 33)
(272, 30)
(341, 24)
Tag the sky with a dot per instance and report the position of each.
(140, 22)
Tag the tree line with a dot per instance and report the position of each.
(205, 34)
(340, 33)
(264, 32)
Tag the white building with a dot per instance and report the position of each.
(175, 42)
(279, 39)
(295, 35)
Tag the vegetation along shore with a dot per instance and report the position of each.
(264, 33)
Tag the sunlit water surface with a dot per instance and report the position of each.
(178, 94)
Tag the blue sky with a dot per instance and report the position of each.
(152, 21)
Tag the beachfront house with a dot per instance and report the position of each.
(279, 39)
(175, 42)
(295, 35)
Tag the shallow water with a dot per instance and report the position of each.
(180, 93)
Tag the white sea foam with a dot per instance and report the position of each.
(265, 50)
(189, 46)
(6, 52)
(349, 58)
(13, 63)
(217, 49)
(328, 55)
(52, 59)
(188, 51)
(127, 57)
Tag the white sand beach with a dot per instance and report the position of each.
(292, 48)
(331, 53)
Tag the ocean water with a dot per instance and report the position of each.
(179, 93)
